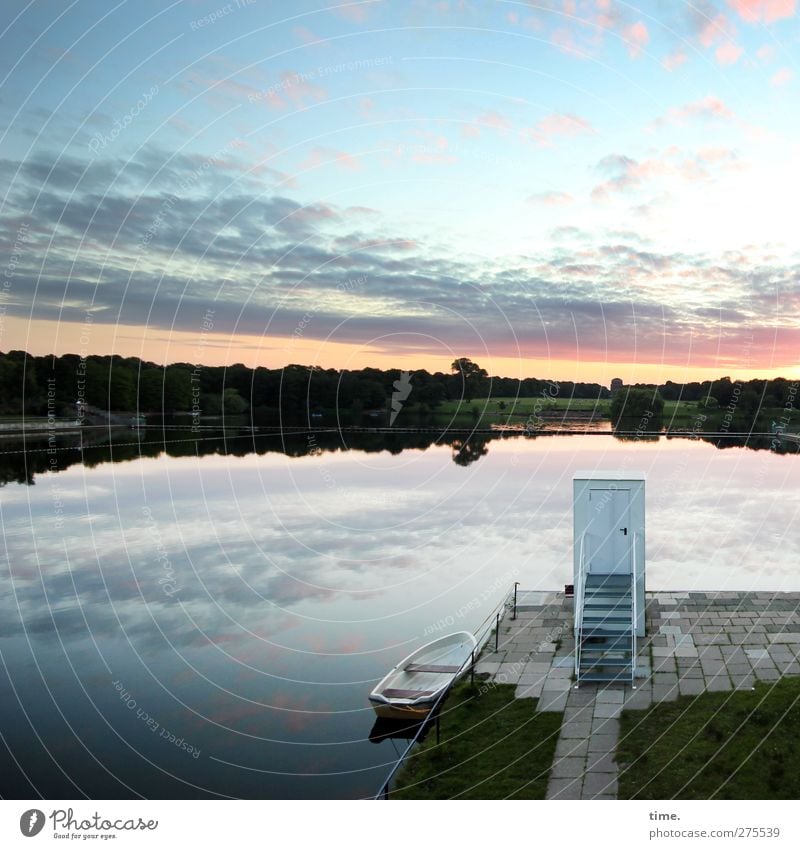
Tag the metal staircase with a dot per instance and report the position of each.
(605, 626)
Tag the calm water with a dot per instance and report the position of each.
(210, 625)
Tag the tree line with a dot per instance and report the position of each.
(52, 385)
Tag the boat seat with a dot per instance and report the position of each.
(405, 694)
(425, 667)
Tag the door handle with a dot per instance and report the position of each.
(624, 531)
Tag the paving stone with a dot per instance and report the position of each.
(691, 686)
(607, 711)
(694, 672)
(551, 702)
(718, 684)
(664, 693)
(639, 700)
(564, 788)
(602, 725)
(596, 783)
(556, 672)
(561, 685)
(766, 673)
(598, 743)
(609, 696)
(568, 768)
(572, 748)
(743, 682)
(757, 654)
(581, 713)
(526, 679)
(528, 691)
(601, 762)
(581, 696)
(536, 668)
(576, 730)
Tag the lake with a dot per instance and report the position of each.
(209, 625)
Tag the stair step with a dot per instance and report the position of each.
(612, 644)
(610, 618)
(611, 596)
(594, 609)
(607, 601)
(603, 662)
(609, 630)
(602, 676)
(593, 580)
(602, 651)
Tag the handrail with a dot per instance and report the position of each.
(634, 613)
(383, 793)
(579, 599)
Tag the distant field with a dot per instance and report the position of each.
(495, 410)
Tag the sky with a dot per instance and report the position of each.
(567, 189)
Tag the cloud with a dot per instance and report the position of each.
(356, 12)
(674, 60)
(637, 38)
(494, 119)
(728, 53)
(707, 108)
(558, 125)
(626, 174)
(325, 155)
(782, 77)
(766, 11)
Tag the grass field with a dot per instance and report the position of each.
(741, 745)
(485, 411)
(492, 746)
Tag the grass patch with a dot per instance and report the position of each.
(492, 746)
(741, 745)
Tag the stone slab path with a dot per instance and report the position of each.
(696, 642)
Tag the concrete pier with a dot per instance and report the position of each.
(695, 642)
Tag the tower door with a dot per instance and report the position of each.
(609, 537)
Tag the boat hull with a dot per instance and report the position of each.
(388, 710)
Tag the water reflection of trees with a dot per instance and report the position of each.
(466, 451)
(21, 461)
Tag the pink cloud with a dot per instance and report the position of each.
(766, 53)
(297, 89)
(494, 119)
(674, 60)
(325, 155)
(306, 36)
(626, 174)
(637, 38)
(555, 125)
(729, 53)
(782, 77)
(754, 11)
(709, 107)
(470, 131)
(715, 29)
(355, 12)
(564, 40)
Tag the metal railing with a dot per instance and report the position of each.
(634, 612)
(484, 630)
(579, 599)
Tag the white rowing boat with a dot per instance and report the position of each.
(412, 687)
